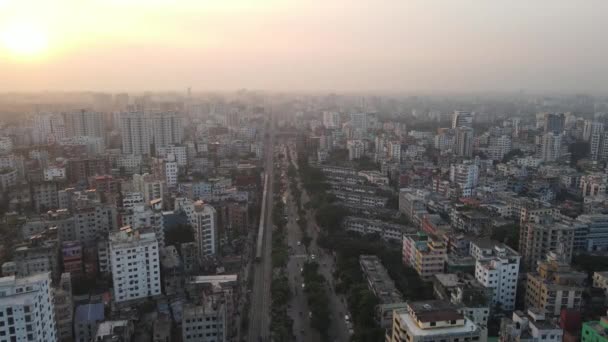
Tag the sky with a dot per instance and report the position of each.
(308, 45)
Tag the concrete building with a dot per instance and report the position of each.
(465, 176)
(204, 323)
(553, 122)
(464, 141)
(462, 119)
(595, 331)
(84, 123)
(178, 151)
(386, 230)
(543, 234)
(383, 287)
(134, 258)
(63, 306)
(426, 254)
(151, 187)
(554, 286)
(114, 331)
(551, 147)
(203, 219)
(27, 309)
(529, 327)
(497, 268)
(86, 320)
(167, 129)
(47, 128)
(94, 221)
(135, 131)
(433, 320)
(595, 233)
(356, 149)
(37, 256)
(331, 120)
(600, 280)
(499, 147)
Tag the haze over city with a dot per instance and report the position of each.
(338, 45)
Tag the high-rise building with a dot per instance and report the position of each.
(464, 141)
(359, 121)
(497, 268)
(426, 254)
(394, 151)
(48, 128)
(135, 130)
(540, 235)
(555, 285)
(203, 219)
(462, 119)
(593, 133)
(551, 146)
(84, 123)
(554, 123)
(167, 129)
(331, 120)
(134, 258)
(499, 146)
(27, 309)
(432, 320)
(149, 186)
(466, 176)
(356, 149)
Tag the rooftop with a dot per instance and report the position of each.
(89, 313)
(434, 310)
(379, 280)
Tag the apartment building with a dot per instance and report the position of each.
(433, 320)
(426, 254)
(383, 287)
(543, 234)
(497, 268)
(529, 327)
(555, 285)
(27, 311)
(204, 323)
(134, 259)
(386, 230)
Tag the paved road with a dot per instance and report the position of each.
(338, 330)
(259, 314)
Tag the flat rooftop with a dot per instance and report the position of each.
(435, 310)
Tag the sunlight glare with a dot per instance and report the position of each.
(24, 40)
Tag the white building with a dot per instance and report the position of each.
(497, 267)
(27, 309)
(462, 119)
(432, 320)
(180, 153)
(54, 173)
(466, 176)
(48, 128)
(394, 151)
(551, 146)
(6, 144)
(530, 326)
(134, 259)
(203, 219)
(149, 186)
(331, 120)
(132, 199)
(8, 178)
(167, 129)
(84, 123)
(356, 149)
(135, 130)
(499, 146)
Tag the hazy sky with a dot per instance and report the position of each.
(341, 45)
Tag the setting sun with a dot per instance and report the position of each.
(23, 40)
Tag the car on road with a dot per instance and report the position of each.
(309, 314)
(299, 243)
(301, 270)
(303, 285)
(312, 256)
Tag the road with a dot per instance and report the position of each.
(338, 330)
(259, 314)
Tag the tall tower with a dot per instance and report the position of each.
(84, 123)
(135, 133)
(464, 141)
